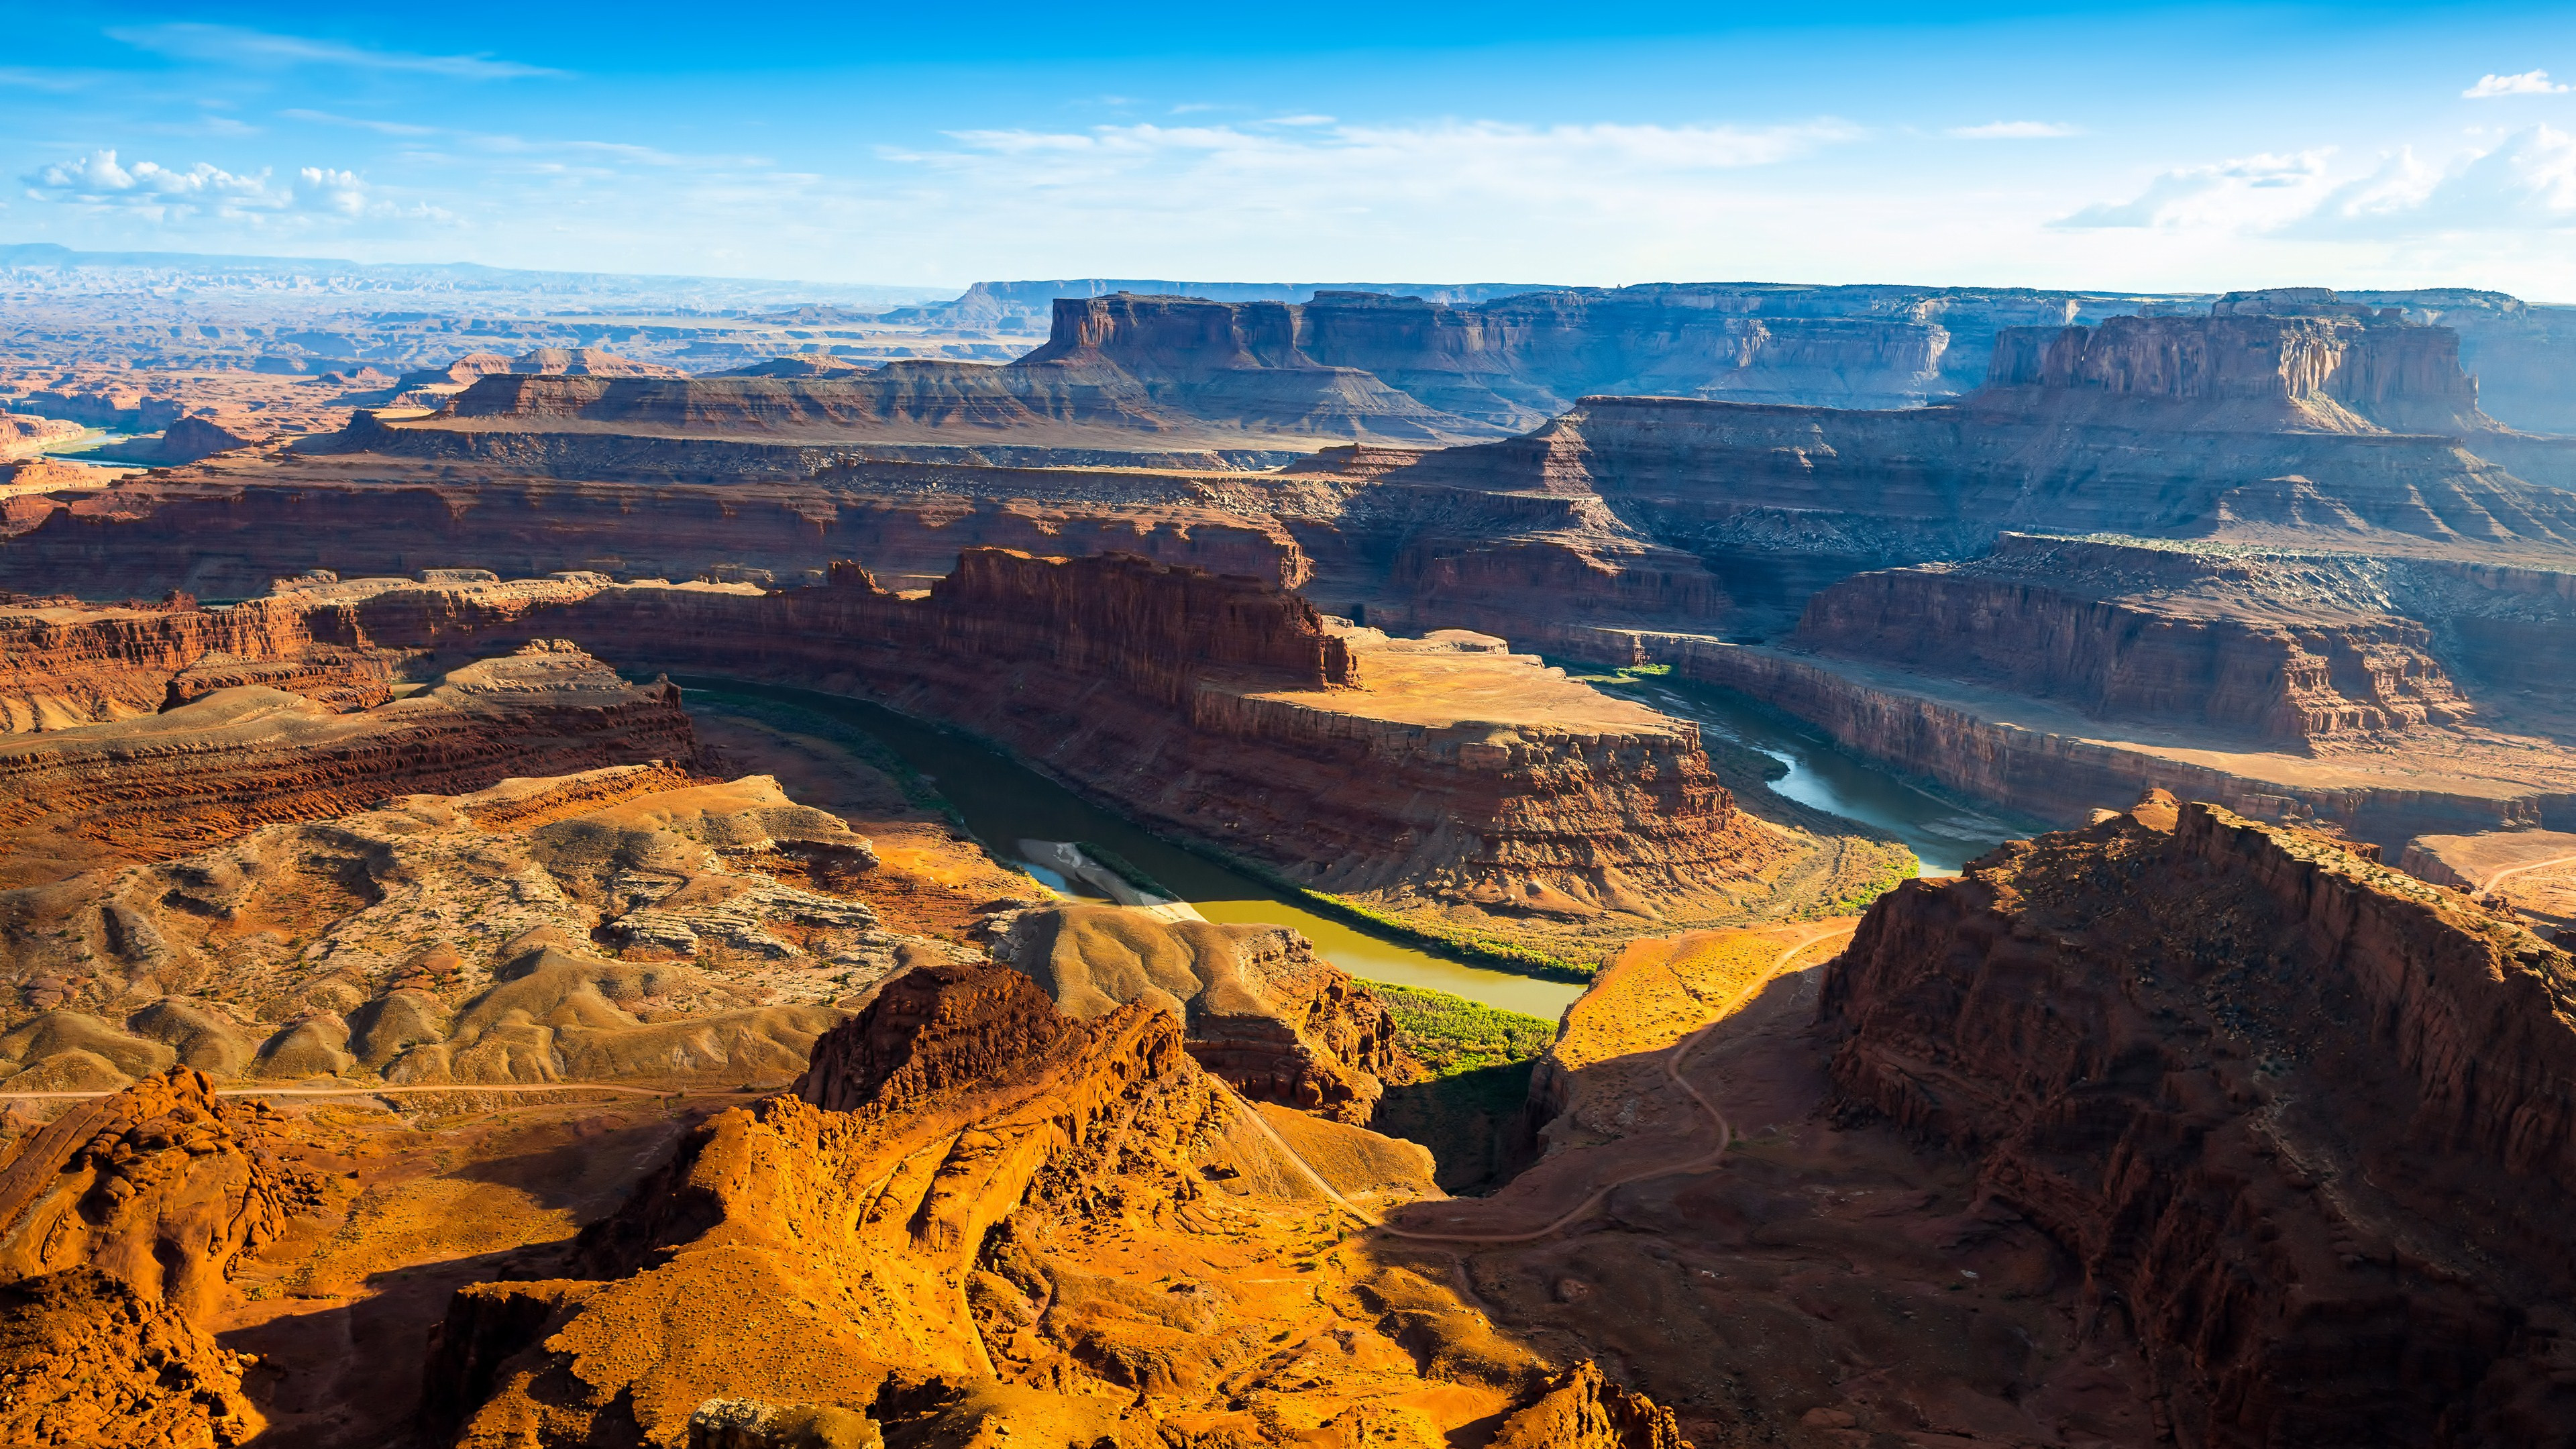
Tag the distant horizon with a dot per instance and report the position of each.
(950, 292)
(2047, 144)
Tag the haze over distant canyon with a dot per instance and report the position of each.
(591, 860)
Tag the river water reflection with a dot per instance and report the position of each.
(1943, 835)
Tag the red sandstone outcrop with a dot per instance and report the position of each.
(62, 665)
(2305, 1123)
(1260, 1010)
(160, 785)
(84, 1359)
(977, 1220)
(2276, 647)
(120, 1222)
(162, 1185)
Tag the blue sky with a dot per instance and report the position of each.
(2045, 145)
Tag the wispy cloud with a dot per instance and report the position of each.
(2525, 183)
(381, 128)
(1422, 155)
(2529, 83)
(99, 182)
(232, 45)
(2014, 131)
(2246, 190)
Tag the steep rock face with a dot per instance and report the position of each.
(1509, 362)
(2242, 644)
(2063, 772)
(1149, 625)
(63, 665)
(2260, 1087)
(2243, 368)
(1261, 1011)
(1940, 482)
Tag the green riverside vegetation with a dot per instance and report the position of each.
(1451, 1035)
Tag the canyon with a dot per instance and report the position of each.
(505, 937)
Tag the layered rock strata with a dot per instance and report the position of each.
(2284, 649)
(2258, 1086)
(159, 785)
(2241, 366)
(2051, 762)
(1222, 705)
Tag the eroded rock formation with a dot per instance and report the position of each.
(2257, 1085)
(1446, 768)
(158, 785)
(980, 1217)
(119, 1223)
(2285, 648)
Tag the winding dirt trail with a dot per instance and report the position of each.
(2489, 883)
(1674, 1056)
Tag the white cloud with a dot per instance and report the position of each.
(2525, 183)
(1359, 160)
(99, 182)
(232, 45)
(2247, 190)
(2529, 83)
(2014, 131)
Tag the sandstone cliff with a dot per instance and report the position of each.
(1224, 706)
(2261, 1088)
(2241, 368)
(2284, 648)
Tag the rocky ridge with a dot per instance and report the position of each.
(2216, 1059)
(119, 1223)
(976, 1214)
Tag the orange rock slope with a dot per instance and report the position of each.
(120, 1223)
(976, 1220)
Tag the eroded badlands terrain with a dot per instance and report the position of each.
(730, 894)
